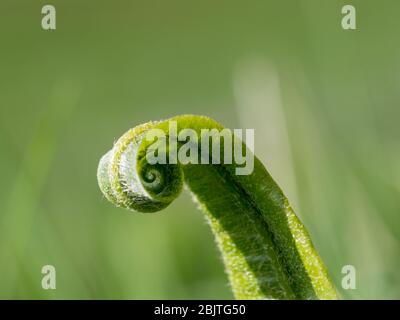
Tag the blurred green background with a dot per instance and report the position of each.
(324, 103)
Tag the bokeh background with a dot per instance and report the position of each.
(324, 103)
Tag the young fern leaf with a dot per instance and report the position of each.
(266, 250)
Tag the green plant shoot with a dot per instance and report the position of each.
(266, 250)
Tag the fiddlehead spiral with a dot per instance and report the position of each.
(266, 250)
(128, 181)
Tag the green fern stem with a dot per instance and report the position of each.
(266, 250)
